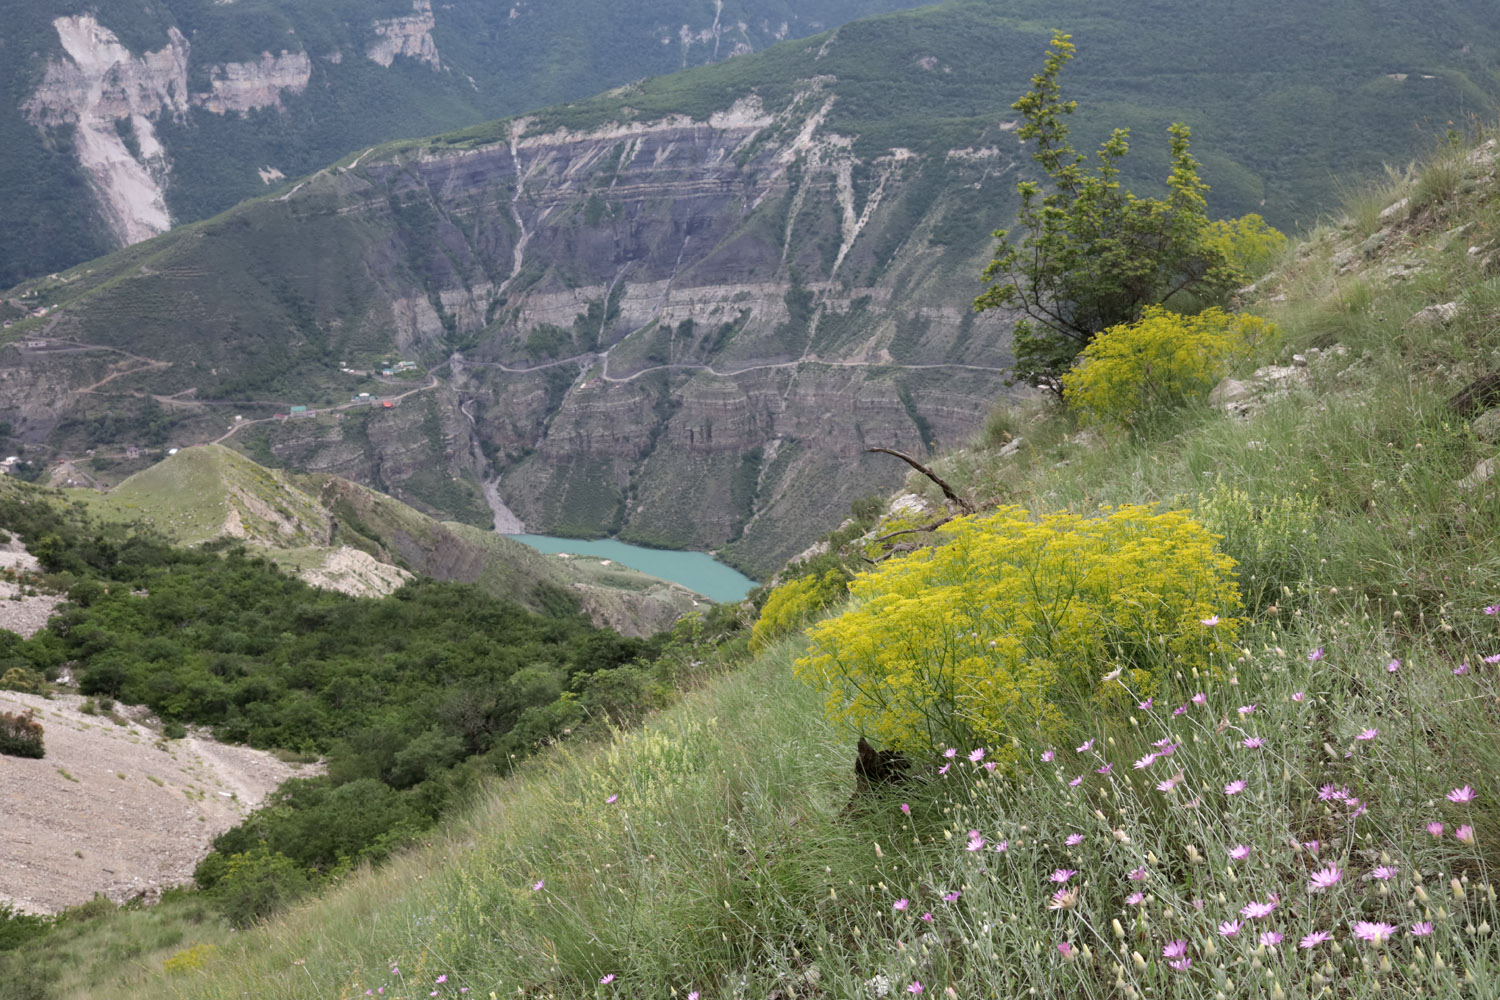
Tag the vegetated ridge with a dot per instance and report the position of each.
(337, 534)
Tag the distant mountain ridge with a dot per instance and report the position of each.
(681, 311)
(118, 120)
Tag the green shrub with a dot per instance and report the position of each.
(23, 680)
(1249, 243)
(1005, 630)
(1272, 538)
(257, 883)
(1134, 373)
(21, 734)
(793, 604)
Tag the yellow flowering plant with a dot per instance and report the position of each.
(1133, 373)
(1006, 630)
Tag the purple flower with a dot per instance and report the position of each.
(1199, 699)
(1314, 939)
(1257, 910)
(1210, 621)
(1145, 761)
(952, 896)
(1047, 755)
(1229, 928)
(1373, 931)
(944, 769)
(1076, 782)
(976, 842)
(906, 808)
(950, 752)
(1062, 875)
(537, 886)
(1174, 949)
(1421, 928)
(1464, 794)
(611, 800)
(1086, 747)
(915, 987)
(899, 905)
(1383, 873)
(976, 756)
(1181, 964)
(1234, 787)
(1393, 666)
(1135, 899)
(1066, 949)
(1368, 734)
(1105, 769)
(1493, 609)
(1325, 878)
(1270, 938)
(1239, 852)
(441, 979)
(1315, 655)
(1074, 839)
(1461, 669)
(1137, 874)
(1436, 829)
(1145, 706)
(1252, 742)
(607, 979)
(1465, 833)
(1299, 696)
(1180, 709)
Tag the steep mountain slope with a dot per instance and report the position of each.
(339, 535)
(117, 121)
(682, 310)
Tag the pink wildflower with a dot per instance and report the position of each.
(607, 979)
(1436, 829)
(1135, 899)
(1234, 787)
(1048, 755)
(1138, 874)
(1270, 939)
(1461, 669)
(1325, 878)
(1174, 949)
(915, 987)
(950, 752)
(1465, 833)
(1375, 932)
(1076, 782)
(906, 808)
(1229, 928)
(899, 905)
(538, 885)
(611, 800)
(1062, 875)
(1256, 910)
(1464, 794)
(1252, 742)
(1421, 929)
(1314, 939)
(1105, 769)
(1393, 666)
(1315, 655)
(1368, 734)
(976, 756)
(1210, 621)
(1086, 747)
(1199, 699)
(1145, 761)
(1074, 839)
(1239, 852)
(1299, 696)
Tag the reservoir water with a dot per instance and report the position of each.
(697, 571)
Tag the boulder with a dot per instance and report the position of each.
(1486, 426)
(1435, 316)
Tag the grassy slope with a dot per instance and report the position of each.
(729, 857)
(190, 496)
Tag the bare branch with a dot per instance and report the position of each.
(963, 505)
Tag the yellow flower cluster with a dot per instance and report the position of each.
(792, 605)
(1007, 629)
(1132, 373)
(189, 959)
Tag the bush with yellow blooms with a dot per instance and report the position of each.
(998, 636)
(1134, 373)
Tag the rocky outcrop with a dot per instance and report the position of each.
(246, 86)
(112, 99)
(409, 36)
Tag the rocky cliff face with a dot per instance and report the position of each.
(685, 332)
(156, 108)
(112, 99)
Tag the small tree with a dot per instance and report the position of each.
(1091, 255)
